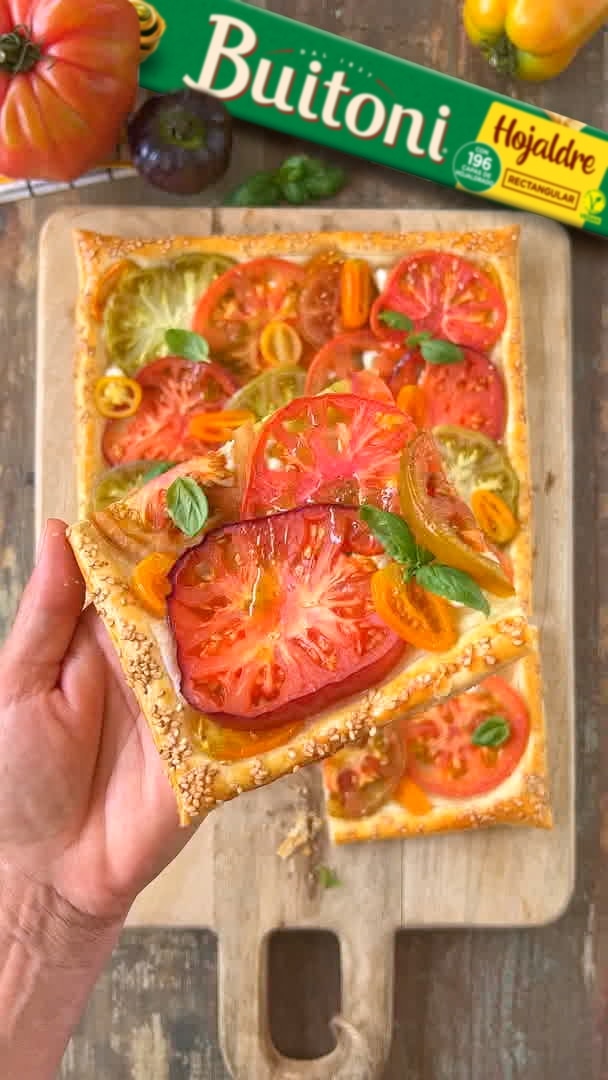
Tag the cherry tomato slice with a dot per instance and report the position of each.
(174, 390)
(116, 396)
(226, 744)
(412, 798)
(273, 619)
(440, 520)
(150, 582)
(234, 311)
(448, 295)
(319, 315)
(361, 779)
(441, 756)
(470, 394)
(280, 344)
(215, 428)
(334, 448)
(419, 617)
(494, 517)
(412, 400)
(357, 290)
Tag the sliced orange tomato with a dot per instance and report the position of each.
(493, 516)
(424, 620)
(412, 798)
(117, 396)
(150, 582)
(441, 521)
(411, 399)
(280, 344)
(107, 283)
(356, 293)
(218, 427)
(226, 744)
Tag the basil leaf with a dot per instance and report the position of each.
(322, 184)
(417, 339)
(441, 352)
(294, 191)
(396, 320)
(393, 533)
(157, 470)
(188, 344)
(302, 178)
(262, 189)
(187, 505)
(453, 585)
(328, 879)
(493, 731)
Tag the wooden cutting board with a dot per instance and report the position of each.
(230, 877)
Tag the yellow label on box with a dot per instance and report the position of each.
(542, 164)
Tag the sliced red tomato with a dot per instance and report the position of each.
(319, 305)
(443, 759)
(234, 310)
(273, 619)
(361, 779)
(441, 521)
(174, 390)
(140, 524)
(346, 353)
(470, 394)
(448, 295)
(366, 384)
(334, 448)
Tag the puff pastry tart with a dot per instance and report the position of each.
(303, 479)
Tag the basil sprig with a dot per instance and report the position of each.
(300, 179)
(399, 542)
(187, 505)
(494, 731)
(433, 350)
(188, 344)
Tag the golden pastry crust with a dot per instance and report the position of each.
(199, 780)
(523, 799)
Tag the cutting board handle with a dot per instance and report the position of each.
(363, 1030)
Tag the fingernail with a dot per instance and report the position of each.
(41, 543)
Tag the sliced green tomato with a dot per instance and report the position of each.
(269, 391)
(149, 301)
(119, 482)
(474, 461)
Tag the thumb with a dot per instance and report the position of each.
(46, 619)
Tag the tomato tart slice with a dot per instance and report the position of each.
(304, 492)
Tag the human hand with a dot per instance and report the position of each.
(85, 807)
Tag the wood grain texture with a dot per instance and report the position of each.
(522, 1005)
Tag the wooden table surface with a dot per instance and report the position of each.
(468, 1006)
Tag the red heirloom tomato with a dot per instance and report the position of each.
(442, 755)
(447, 295)
(174, 391)
(273, 618)
(235, 310)
(470, 394)
(68, 78)
(335, 448)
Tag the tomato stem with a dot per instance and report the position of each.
(501, 55)
(18, 53)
